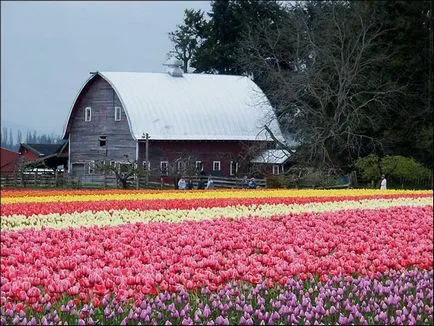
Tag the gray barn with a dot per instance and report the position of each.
(212, 119)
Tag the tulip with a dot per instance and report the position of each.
(206, 311)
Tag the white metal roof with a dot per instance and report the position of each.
(272, 156)
(194, 106)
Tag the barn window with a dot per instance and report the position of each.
(102, 140)
(233, 168)
(164, 167)
(216, 166)
(118, 113)
(199, 166)
(181, 166)
(147, 165)
(276, 169)
(87, 113)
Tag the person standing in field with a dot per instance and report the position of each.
(182, 185)
(383, 183)
(245, 182)
(252, 184)
(210, 183)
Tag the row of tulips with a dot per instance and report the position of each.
(23, 192)
(180, 211)
(38, 208)
(400, 298)
(60, 196)
(137, 259)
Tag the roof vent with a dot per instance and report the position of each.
(174, 68)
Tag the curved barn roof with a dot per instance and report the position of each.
(192, 107)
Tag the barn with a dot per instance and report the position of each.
(175, 123)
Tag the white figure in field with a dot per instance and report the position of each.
(210, 183)
(383, 183)
(182, 185)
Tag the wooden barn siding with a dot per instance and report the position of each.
(84, 136)
(205, 151)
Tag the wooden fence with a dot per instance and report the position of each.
(32, 179)
(219, 183)
(59, 180)
(222, 182)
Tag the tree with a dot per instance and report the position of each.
(122, 172)
(371, 167)
(408, 33)
(188, 36)
(19, 137)
(322, 72)
(229, 18)
(10, 139)
(4, 141)
(212, 46)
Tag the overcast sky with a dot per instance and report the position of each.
(49, 48)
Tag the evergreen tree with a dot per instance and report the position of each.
(10, 140)
(212, 46)
(188, 36)
(4, 140)
(407, 130)
(229, 19)
(19, 137)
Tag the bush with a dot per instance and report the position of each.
(404, 169)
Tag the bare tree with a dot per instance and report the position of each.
(321, 70)
(123, 171)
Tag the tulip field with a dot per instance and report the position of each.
(216, 257)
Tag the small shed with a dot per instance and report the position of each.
(46, 155)
(273, 161)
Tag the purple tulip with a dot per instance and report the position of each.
(206, 311)
(222, 321)
(332, 310)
